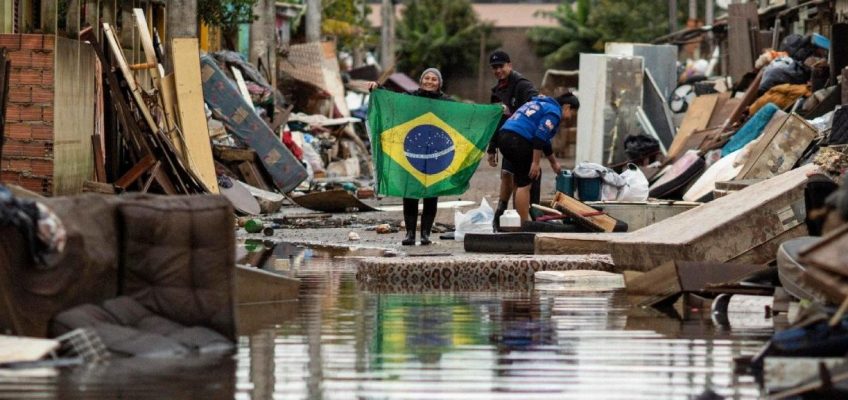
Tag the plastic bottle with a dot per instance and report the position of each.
(510, 221)
(253, 226)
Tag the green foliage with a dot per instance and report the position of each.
(440, 33)
(573, 35)
(226, 14)
(347, 20)
(587, 25)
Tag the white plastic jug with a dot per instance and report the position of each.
(510, 221)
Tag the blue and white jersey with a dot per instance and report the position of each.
(537, 120)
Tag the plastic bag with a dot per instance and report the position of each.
(478, 220)
(636, 186)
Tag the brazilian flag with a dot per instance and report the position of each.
(425, 147)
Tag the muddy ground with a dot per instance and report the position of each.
(315, 228)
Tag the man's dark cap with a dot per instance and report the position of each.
(498, 57)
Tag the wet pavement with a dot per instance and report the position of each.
(342, 342)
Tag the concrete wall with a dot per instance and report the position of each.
(74, 104)
(524, 60)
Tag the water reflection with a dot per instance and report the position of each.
(348, 342)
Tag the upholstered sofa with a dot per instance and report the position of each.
(152, 275)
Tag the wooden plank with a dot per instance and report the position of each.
(242, 85)
(697, 117)
(740, 48)
(723, 109)
(186, 59)
(136, 171)
(152, 177)
(747, 99)
(583, 213)
(147, 46)
(225, 153)
(252, 175)
(99, 160)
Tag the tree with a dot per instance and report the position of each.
(440, 33)
(347, 20)
(587, 25)
(562, 43)
(226, 15)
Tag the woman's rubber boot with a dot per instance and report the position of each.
(426, 228)
(411, 221)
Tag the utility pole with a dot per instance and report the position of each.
(182, 19)
(672, 16)
(313, 20)
(263, 38)
(387, 35)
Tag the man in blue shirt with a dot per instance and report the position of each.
(525, 134)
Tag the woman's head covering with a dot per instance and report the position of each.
(570, 99)
(434, 71)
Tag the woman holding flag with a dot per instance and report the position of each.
(431, 87)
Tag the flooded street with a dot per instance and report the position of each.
(342, 342)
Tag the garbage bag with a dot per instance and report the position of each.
(611, 182)
(783, 70)
(478, 220)
(636, 186)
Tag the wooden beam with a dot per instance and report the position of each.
(144, 165)
(153, 173)
(252, 175)
(224, 153)
(588, 216)
(99, 160)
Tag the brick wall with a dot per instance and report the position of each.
(28, 149)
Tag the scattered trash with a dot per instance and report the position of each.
(353, 236)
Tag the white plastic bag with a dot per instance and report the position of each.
(478, 220)
(636, 186)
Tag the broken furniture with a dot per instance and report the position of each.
(665, 283)
(743, 227)
(129, 260)
(240, 118)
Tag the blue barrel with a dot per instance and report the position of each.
(589, 189)
(565, 182)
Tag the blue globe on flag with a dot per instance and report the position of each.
(429, 149)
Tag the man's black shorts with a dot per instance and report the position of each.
(518, 151)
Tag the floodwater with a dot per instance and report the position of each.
(341, 341)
